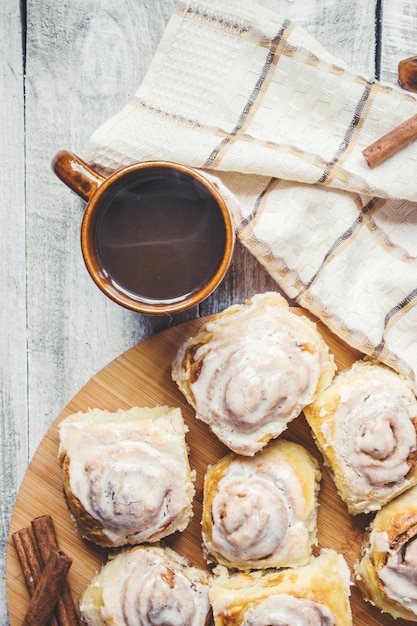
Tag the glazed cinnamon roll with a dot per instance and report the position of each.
(261, 511)
(126, 475)
(365, 425)
(316, 594)
(147, 586)
(251, 369)
(387, 571)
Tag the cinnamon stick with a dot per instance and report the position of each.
(29, 562)
(391, 142)
(48, 589)
(46, 539)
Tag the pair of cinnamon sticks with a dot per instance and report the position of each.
(45, 568)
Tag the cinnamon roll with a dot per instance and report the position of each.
(251, 369)
(365, 426)
(147, 586)
(316, 594)
(126, 475)
(261, 511)
(387, 571)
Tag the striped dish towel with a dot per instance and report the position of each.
(252, 98)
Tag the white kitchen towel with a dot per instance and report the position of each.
(249, 96)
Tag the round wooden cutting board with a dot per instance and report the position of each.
(142, 377)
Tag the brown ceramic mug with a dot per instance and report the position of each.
(156, 237)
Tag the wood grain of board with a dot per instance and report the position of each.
(142, 376)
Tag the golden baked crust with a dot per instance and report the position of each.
(387, 571)
(251, 369)
(261, 511)
(319, 589)
(146, 585)
(365, 424)
(125, 475)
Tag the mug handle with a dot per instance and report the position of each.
(76, 174)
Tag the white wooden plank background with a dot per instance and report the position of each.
(83, 60)
(13, 329)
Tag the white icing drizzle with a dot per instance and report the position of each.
(258, 511)
(399, 574)
(145, 588)
(286, 610)
(260, 368)
(374, 433)
(135, 488)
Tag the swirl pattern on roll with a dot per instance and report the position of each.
(132, 486)
(251, 369)
(147, 586)
(286, 610)
(126, 476)
(261, 511)
(379, 435)
(387, 570)
(365, 423)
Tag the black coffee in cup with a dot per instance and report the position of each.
(159, 235)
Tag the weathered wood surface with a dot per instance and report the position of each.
(65, 68)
